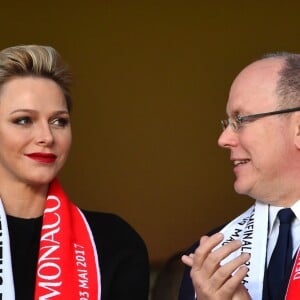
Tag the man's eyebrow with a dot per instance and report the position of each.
(234, 113)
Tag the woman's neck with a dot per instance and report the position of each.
(22, 200)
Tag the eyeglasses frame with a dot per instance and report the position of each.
(239, 120)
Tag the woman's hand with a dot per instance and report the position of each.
(211, 280)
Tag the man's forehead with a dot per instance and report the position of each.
(260, 71)
(255, 85)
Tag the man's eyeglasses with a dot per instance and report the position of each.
(237, 122)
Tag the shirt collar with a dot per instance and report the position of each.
(296, 209)
(273, 210)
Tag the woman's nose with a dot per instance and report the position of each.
(44, 135)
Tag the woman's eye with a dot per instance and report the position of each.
(60, 122)
(22, 121)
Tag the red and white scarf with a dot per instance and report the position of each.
(293, 291)
(67, 266)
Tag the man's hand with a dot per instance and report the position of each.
(213, 281)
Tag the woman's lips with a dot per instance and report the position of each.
(42, 157)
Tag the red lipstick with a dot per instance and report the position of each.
(47, 158)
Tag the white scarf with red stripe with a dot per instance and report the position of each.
(67, 266)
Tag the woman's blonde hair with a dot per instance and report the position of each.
(36, 60)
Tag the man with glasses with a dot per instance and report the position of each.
(256, 255)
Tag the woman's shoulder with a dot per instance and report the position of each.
(103, 218)
(109, 226)
(104, 221)
(122, 254)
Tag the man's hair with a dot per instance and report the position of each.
(288, 84)
(36, 61)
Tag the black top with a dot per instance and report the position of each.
(123, 257)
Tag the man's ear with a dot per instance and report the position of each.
(297, 132)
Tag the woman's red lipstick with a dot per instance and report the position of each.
(47, 158)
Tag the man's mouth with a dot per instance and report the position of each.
(238, 162)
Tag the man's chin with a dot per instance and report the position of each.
(241, 188)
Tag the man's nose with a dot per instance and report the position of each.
(228, 138)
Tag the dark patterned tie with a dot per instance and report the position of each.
(281, 258)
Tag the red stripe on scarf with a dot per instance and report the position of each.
(68, 265)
